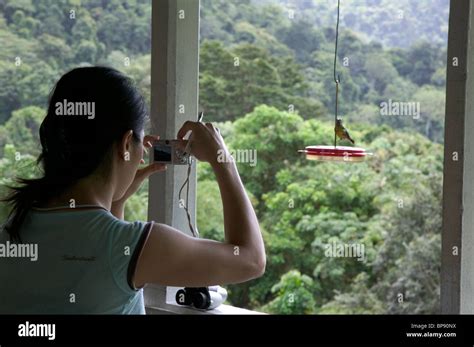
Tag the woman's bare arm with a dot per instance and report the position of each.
(170, 257)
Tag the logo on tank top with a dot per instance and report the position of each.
(78, 258)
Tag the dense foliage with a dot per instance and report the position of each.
(266, 76)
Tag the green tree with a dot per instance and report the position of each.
(380, 72)
(358, 300)
(235, 81)
(432, 102)
(303, 38)
(25, 85)
(12, 166)
(294, 295)
(22, 131)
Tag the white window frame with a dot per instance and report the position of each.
(457, 261)
(175, 82)
(174, 86)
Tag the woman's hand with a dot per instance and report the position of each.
(142, 173)
(205, 142)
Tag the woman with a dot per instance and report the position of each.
(89, 259)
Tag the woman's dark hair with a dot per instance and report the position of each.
(75, 146)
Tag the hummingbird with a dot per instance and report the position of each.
(342, 132)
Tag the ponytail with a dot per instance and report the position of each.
(74, 146)
(21, 200)
(23, 197)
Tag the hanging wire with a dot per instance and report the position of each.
(194, 231)
(336, 76)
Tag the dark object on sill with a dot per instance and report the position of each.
(204, 298)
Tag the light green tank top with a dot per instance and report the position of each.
(77, 261)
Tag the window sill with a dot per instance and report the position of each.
(155, 303)
(222, 309)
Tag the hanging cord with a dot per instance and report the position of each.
(194, 231)
(336, 76)
(186, 205)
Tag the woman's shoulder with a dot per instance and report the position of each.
(97, 221)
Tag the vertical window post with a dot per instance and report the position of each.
(457, 268)
(174, 99)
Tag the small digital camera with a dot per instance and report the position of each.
(169, 152)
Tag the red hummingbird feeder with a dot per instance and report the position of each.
(332, 153)
(336, 153)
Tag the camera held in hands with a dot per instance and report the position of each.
(170, 152)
